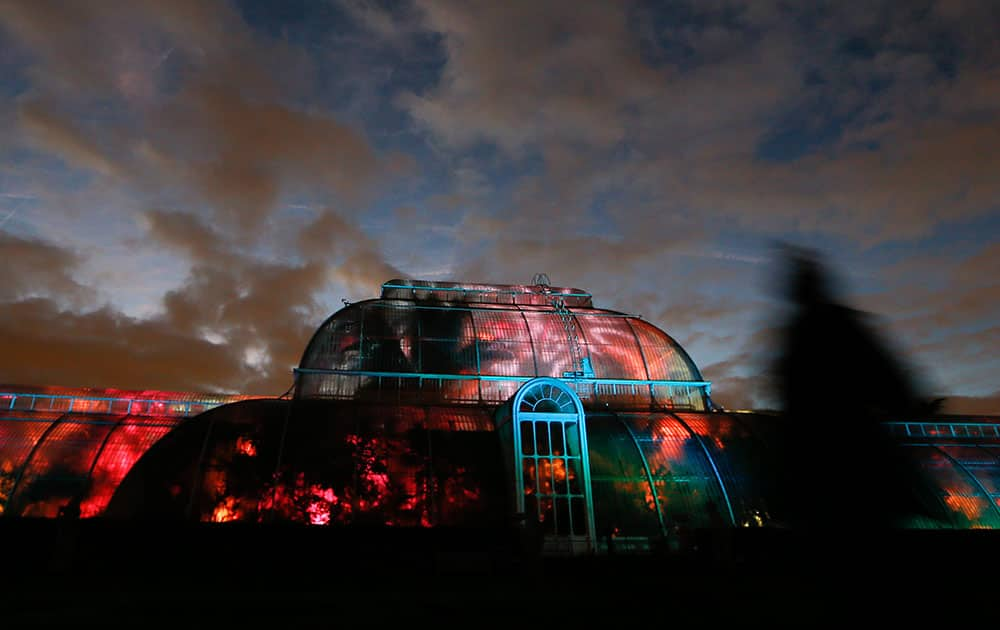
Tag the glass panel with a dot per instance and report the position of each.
(439, 323)
(531, 507)
(504, 345)
(337, 345)
(556, 432)
(506, 358)
(547, 515)
(385, 355)
(465, 390)
(542, 435)
(574, 476)
(58, 470)
(680, 397)
(737, 456)
(965, 504)
(451, 419)
(562, 516)
(551, 344)
(618, 480)
(545, 476)
(969, 454)
(527, 438)
(559, 475)
(664, 357)
(17, 438)
(613, 348)
(579, 516)
(499, 391)
(528, 471)
(453, 356)
(126, 445)
(686, 487)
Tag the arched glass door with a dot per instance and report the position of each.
(552, 470)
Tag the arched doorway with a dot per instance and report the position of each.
(551, 467)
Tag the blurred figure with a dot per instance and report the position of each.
(838, 381)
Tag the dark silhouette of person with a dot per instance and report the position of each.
(838, 381)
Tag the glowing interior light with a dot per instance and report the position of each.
(226, 511)
(246, 446)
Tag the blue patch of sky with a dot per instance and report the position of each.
(660, 27)
(358, 78)
(301, 22)
(813, 124)
(13, 65)
(44, 172)
(852, 270)
(357, 74)
(955, 241)
(817, 122)
(379, 77)
(797, 134)
(942, 46)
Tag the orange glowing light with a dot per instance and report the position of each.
(970, 507)
(246, 446)
(227, 511)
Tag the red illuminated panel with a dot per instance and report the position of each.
(124, 447)
(551, 343)
(715, 432)
(62, 462)
(450, 419)
(614, 351)
(17, 438)
(504, 343)
(662, 355)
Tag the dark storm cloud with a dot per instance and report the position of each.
(521, 72)
(253, 150)
(47, 340)
(46, 344)
(353, 254)
(265, 307)
(32, 267)
(973, 405)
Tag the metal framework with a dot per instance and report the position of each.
(131, 406)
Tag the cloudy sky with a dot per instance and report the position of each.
(188, 187)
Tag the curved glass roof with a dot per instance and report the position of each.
(48, 458)
(479, 343)
(60, 443)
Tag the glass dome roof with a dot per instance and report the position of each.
(477, 343)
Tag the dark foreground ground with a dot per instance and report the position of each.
(95, 574)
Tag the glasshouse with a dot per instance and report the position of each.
(444, 404)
